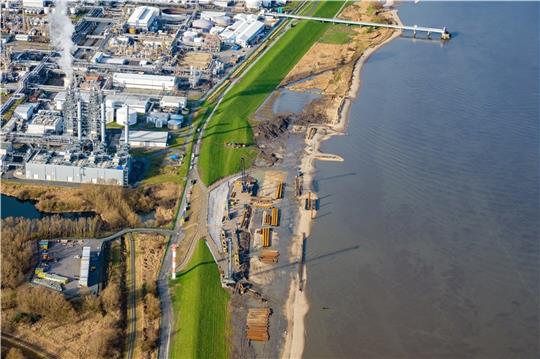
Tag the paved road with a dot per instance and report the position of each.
(123, 232)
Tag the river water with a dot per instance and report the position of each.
(426, 244)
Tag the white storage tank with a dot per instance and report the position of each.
(174, 124)
(124, 114)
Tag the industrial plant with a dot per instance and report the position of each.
(82, 82)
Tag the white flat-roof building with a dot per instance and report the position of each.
(243, 32)
(173, 101)
(146, 138)
(85, 267)
(144, 81)
(143, 17)
(137, 103)
(60, 98)
(45, 122)
(33, 4)
(249, 33)
(25, 110)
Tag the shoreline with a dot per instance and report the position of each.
(297, 304)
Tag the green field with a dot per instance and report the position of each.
(230, 123)
(337, 34)
(201, 326)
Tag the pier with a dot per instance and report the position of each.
(428, 30)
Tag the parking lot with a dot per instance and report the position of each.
(65, 260)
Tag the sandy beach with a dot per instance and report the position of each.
(297, 305)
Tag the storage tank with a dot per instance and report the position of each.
(202, 24)
(124, 114)
(174, 124)
(222, 20)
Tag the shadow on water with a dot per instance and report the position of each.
(308, 260)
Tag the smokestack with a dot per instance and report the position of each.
(79, 120)
(103, 122)
(60, 31)
(126, 126)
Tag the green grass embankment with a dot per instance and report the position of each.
(200, 307)
(230, 124)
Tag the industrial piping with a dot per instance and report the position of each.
(79, 120)
(103, 122)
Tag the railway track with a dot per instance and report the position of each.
(30, 350)
(132, 300)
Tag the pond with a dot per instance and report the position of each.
(13, 207)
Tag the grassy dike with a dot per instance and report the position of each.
(200, 305)
(230, 123)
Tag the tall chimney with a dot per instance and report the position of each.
(103, 122)
(126, 126)
(79, 120)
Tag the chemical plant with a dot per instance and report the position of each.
(83, 81)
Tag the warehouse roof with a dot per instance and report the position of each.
(143, 15)
(61, 96)
(131, 100)
(146, 136)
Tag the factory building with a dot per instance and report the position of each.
(78, 167)
(146, 138)
(60, 98)
(174, 102)
(46, 122)
(144, 81)
(25, 110)
(83, 119)
(137, 104)
(244, 31)
(249, 33)
(33, 4)
(143, 17)
(85, 267)
(212, 43)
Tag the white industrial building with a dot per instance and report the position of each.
(146, 138)
(173, 102)
(243, 31)
(60, 98)
(143, 17)
(78, 167)
(101, 58)
(25, 110)
(33, 4)
(45, 122)
(126, 114)
(85, 267)
(136, 103)
(144, 81)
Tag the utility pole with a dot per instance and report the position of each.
(173, 264)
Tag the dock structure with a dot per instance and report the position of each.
(429, 30)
